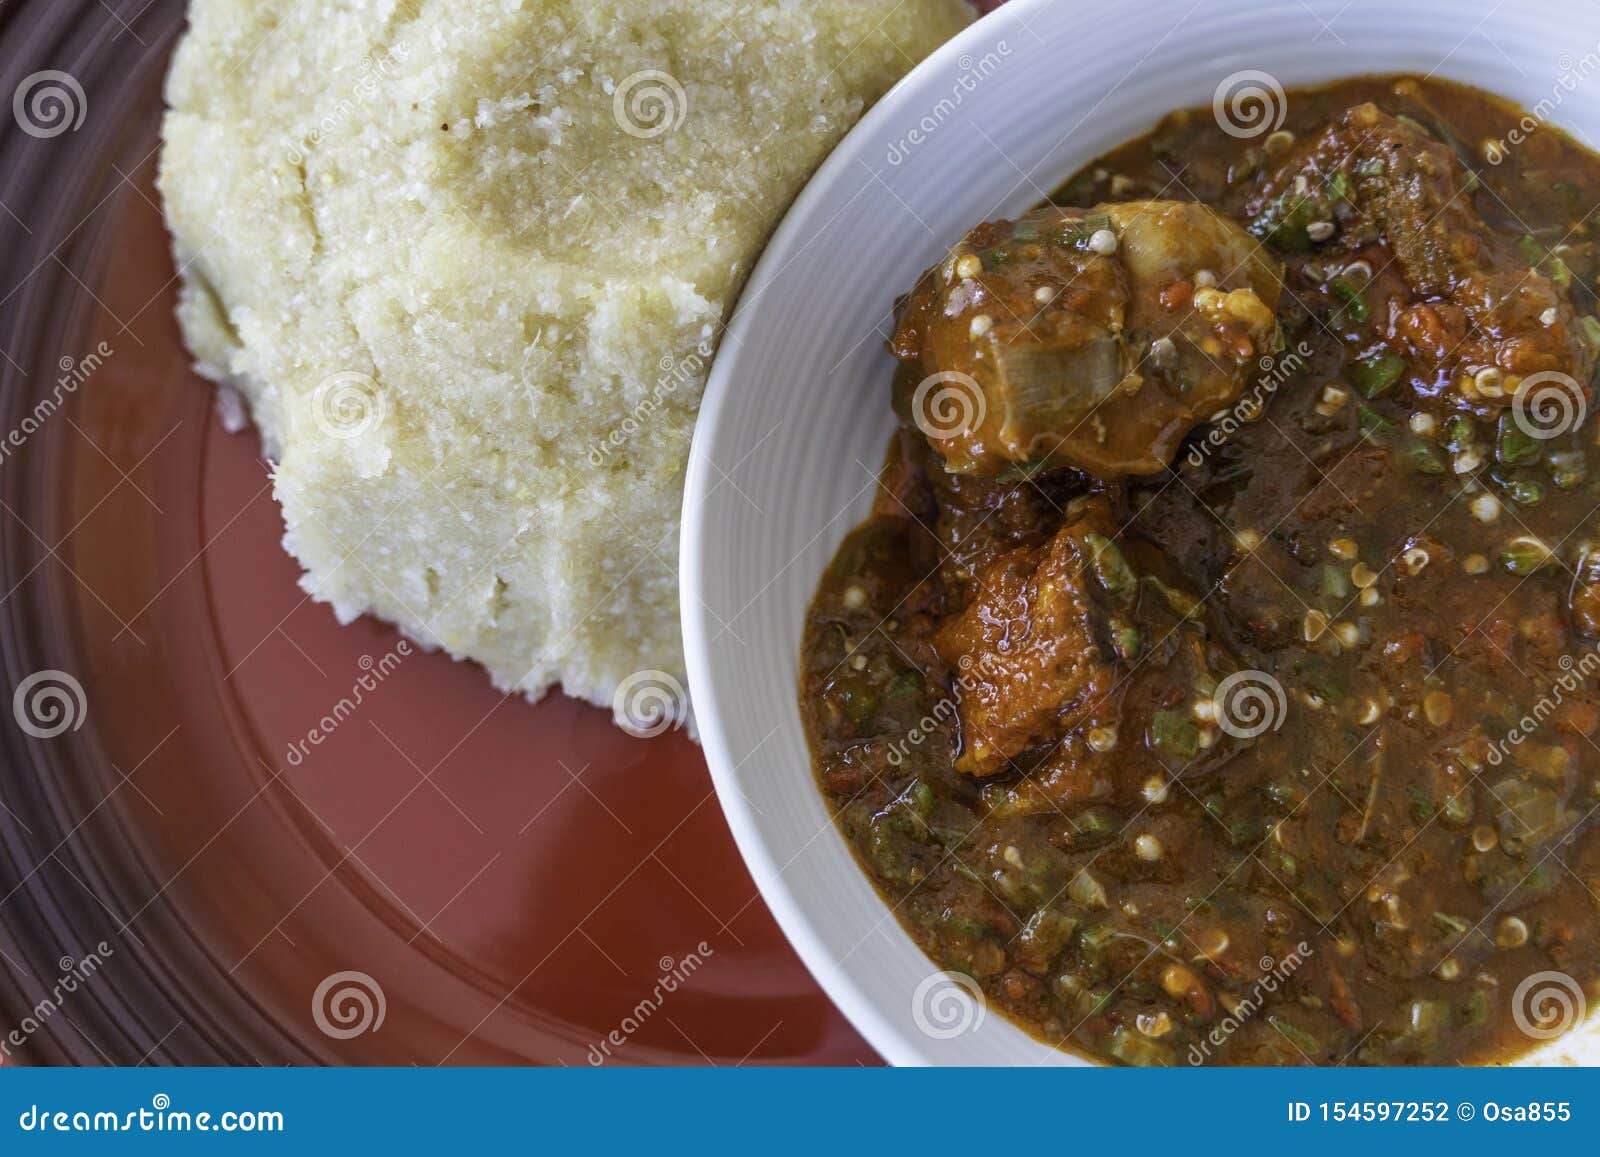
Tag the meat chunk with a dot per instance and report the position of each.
(1091, 338)
(1027, 649)
(1479, 301)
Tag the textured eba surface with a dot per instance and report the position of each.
(468, 260)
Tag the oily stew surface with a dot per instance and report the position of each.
(1215, 680)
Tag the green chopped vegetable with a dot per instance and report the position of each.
(1134, 1048)
(1175, 732)
(906, 686)
(1087, 228)
(1457, 809)
(1370, 421)
(1525, 492)
(1513, 445)
(1088, 891)
(1248, 830)
(1523, 557)
(1286, 793)
(1110, 567)
(1095, 938)
(1044, 937)
(1179, 601)
(1459, 433)
(1282, 862)
(1354, 305)
(962, 926)
(1424, 459)
(1421, 803)
(861, 706)
(1294, 1034)
(1568, 468)
(1374, 375)
(1282, 223)
(1076, 189)
(1333, 581)
(1526, 816)
(1095, 825)
(1537, 254)
(1426, 1018)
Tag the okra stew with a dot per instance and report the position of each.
(1215, 680)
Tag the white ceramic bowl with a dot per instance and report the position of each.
(796, 415)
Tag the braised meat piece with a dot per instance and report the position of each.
(1091, 338)
(1483, 315)
(1028, 649)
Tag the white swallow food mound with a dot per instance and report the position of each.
(467, 263)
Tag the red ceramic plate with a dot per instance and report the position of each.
(453, 876)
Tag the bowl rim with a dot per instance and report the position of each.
(881, 1033)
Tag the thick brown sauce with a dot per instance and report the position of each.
(1400, 580)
